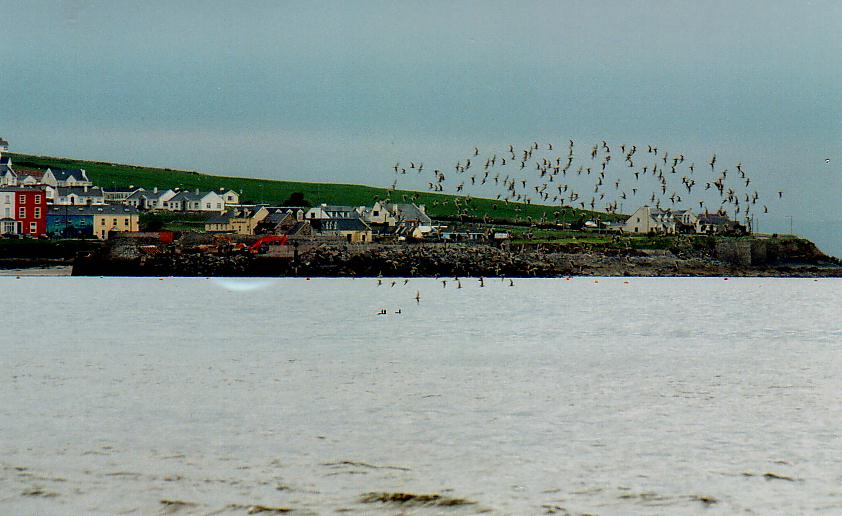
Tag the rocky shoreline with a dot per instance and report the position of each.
(738, 258)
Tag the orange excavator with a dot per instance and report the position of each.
(274, 239)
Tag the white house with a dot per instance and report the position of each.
(8, 177)
(648, 219)
(119, 195)
(78, 196)
(230, 197)
(66, 177)
(712, 223)
(29, 176)
(380, 214)
(327, 211)
(8, 224)
(150, 199)
(410, 214)
(195, 201)
(685, 220)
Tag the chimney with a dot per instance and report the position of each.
(155, 190)
(85, 188)
(197, 191)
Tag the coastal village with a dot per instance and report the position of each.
(59, 203)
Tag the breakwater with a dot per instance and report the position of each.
(748, 257)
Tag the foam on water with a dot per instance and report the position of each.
(624, 395)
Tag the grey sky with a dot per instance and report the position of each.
(339, 91)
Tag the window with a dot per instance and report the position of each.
(376, 213)
(37, 213)
(21, 213)
(207, 205)
(219, 206)
(37, 200)
(33, 228)
(102, 221)
(21, 199)
(127, 222)
(115, 222)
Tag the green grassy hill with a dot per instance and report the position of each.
(109, 175)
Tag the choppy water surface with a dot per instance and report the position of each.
(608, 396)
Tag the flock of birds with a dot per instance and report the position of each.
(601, 177)
(566, 178)
(444, 282)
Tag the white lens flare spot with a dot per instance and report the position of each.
(242, 285)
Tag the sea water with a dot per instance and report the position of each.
(606, 395)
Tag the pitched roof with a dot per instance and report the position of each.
(277, 216)
(713, 218)
(298, 227)
(148, 194)
(21, 189)
(337, 211)
(61, 174)
(98, 209)
(412, 212)
(191, 195)
(345, 225)
(222, 218)
(292, 209)
(122, 190)
(655, 211)
(83, 191)
(236, 213)
(34, 172)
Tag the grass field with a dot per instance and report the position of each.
(275, 192)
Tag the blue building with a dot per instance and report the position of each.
(97, 220)
(70, 222)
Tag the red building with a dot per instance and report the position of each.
(28, 206)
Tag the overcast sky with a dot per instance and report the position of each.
(339, 91)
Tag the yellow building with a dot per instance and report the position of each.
(241, 220)
(108, 218)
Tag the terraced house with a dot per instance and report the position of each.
(149, 199)
(91, 221)
(195, 201)
(23, 210)
(242, 220)
(78, 195)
